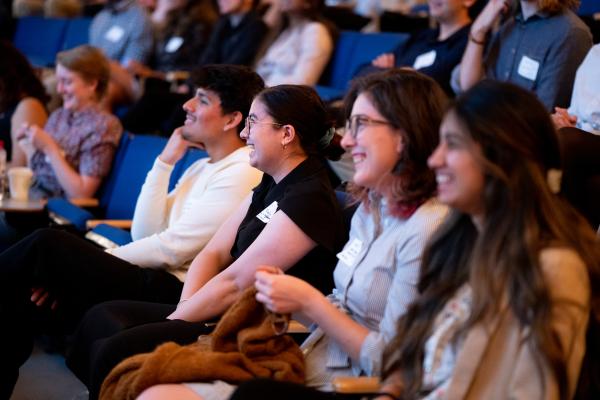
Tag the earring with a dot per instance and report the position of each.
(283, 146)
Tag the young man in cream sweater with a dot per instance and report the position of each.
(65, 275)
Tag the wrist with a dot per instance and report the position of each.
(51, 149)
(479, 40)
(314, 304)
(167, 159)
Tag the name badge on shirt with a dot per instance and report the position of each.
(350, 252)
(115, 33)
(528, 68)
(266, 214)
(174, 44)
(425, 60)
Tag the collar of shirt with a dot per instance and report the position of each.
(538, 15)
(119, 6)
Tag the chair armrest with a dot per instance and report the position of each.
(117, 223)
(63, 212)
(355, 384)
(85, 202)
(108, 236)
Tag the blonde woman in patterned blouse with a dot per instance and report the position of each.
(73, 152)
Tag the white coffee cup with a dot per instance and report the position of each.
(19, 181)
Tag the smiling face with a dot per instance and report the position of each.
(447, 10)
(264, 137)
(458, 169)
(205, 120)
(77, 93)
(377, 146)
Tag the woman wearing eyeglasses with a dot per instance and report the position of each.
(292, 219)
(394, 118)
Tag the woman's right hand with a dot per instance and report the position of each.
(38, 138)
(385, 60)
(562, 119)
(487, 18)
(284, 293)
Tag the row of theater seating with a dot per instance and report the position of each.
(41, 38)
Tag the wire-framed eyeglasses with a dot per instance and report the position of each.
(250, 122)
(356, 122)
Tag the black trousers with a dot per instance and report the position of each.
(78, 275)
(115, 330)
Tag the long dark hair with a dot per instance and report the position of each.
(413, 103)
(17, 78)
(501, 260)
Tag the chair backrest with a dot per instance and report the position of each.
(354, 49)
(130, 174)
(108, 185)
(588, 7)
(348, 209)
(39, 39)
(77, 32)
(190, 157)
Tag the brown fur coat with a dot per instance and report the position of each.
(243, 346)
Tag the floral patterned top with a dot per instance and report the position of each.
(443, 345)
(88, 139)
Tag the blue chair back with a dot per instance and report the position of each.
(77, 33)
(335, 73)
(129, 175)
(354, 49)
(40, 39)
(108, 185)
(190, 157)
(589, 7)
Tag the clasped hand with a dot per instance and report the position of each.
(282, 293)
(37, 137)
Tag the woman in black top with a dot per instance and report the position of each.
(292, 219)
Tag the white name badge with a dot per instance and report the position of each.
(425, 60)
(115, 33)
(528, 68)
(350, 252)
(266, 214)
(174, 44)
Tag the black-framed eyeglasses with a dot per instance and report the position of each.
(356, 122)
(250, 122)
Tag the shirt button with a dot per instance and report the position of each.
(513, 50)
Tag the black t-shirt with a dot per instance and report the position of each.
(306, 197)
(238, 44)
(448, 53)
